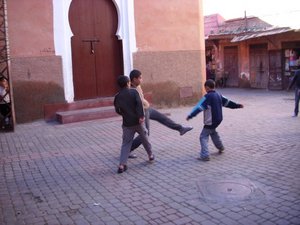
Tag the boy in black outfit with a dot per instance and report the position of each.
(296, 82)
(211, 104)
(128, 104)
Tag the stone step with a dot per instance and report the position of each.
(86, 114)
(91, 109)
(50, 110)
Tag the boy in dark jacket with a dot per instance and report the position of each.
(211, 104)
(296, 82)
(128, 104)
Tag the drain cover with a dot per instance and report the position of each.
(229, 190)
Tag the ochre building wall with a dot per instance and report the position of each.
(170, 45)
(35, 70)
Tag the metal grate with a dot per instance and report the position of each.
(6, 109)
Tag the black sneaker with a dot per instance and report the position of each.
(151, 158)
(183, 130)
(221, 150)
(122, 169)
(132, 156)
(204, 158)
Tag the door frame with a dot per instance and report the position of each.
(63, 34)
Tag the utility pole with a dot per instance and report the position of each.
(246, 21)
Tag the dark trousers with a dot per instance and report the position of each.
(297, 99)
(4, 109)
(153, 114)
(127, 138)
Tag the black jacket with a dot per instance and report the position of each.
(128, 104)
(212, 104)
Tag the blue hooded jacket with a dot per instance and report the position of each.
(212, 104)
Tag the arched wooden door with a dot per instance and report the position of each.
(96, 51)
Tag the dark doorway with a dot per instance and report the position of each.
(231, 66)
(275, 70)
(259, 66)
(96, 51)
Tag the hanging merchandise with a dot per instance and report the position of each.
(292, 58)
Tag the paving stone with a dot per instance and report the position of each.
(295, 220)
(66, 174)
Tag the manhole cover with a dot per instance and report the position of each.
(229, 190)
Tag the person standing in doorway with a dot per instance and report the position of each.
(5, 109)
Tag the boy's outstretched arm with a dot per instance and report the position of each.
(201, 105)
(230, 104)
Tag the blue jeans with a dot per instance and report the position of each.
(204, 136)
(297, 99)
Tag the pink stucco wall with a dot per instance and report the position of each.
(30, 28)
(31, 41)
(170, 43)
(35, 71)
(168, 25)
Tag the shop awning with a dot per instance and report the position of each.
(258, 34)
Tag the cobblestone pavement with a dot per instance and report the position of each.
(67, 174)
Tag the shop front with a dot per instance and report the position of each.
(291, 61)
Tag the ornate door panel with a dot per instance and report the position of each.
(96, 51)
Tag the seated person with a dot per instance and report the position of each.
(4, 101)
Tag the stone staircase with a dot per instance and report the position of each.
(83, 110)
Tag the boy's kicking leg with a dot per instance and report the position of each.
(163, 119)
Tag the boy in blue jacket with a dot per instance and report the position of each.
(211, 105)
